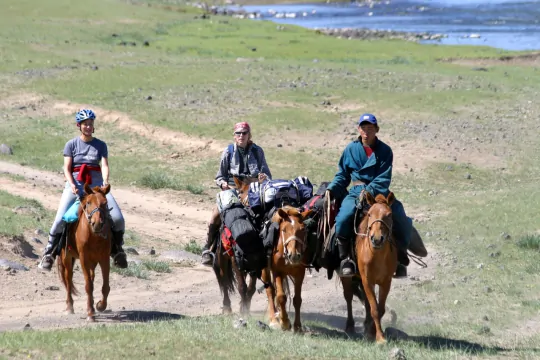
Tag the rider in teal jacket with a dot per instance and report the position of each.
(367, 163)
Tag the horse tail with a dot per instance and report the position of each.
(62, 273)
(223, 268)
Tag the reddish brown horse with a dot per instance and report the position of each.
(289, 260)
(376, 255)
(228, 274)
(89, 240)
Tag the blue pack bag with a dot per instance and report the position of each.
(71, 214)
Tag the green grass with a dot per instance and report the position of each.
(141, 269)
(193, 247)
(157, 266)
(162, 180)
(204, 338)
(529, 241)
(31, 214)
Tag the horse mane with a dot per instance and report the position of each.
(381, 199)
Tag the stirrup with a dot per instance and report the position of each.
(46, 262)
(342, 265)
(210, 254)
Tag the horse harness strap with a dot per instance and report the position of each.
(289, 239)
(96, 209)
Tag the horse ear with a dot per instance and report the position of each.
(391, 198)
(106, 189)
(87, 189)
(238, 182)
(282, 214)
(369, 198)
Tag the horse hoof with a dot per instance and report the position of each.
(381, 341)
(350, 330)
(70, 312)
(298, 330)
(91, 319)
(286, 326)
(274, 325)
(101, 306)
(226, 311)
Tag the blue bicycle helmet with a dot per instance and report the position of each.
(84, 114)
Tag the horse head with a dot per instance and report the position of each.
(94, 207)
(242, 188)
(292, 233)
(379, 219)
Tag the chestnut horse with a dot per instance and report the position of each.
(89, 240)
(228, 274)
(289, 260)
(376, 256)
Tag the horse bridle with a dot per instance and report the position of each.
(389, 227)
(289, 239)
(95, 210)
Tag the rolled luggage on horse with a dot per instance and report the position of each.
(239, 232)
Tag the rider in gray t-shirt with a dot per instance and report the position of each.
(82, 157)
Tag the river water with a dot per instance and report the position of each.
(504, 24)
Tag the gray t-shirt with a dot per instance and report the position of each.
(86, 152)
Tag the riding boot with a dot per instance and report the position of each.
(117, 253)
(47, 260)
(347, 266)
(403, 262)
(207, 254)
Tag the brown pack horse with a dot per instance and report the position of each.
(89, 240)
(229, 276)
(289, 260)
(376, 255)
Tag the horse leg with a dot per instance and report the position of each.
(89, 287)
(384, 290)
(65, 268)
(105, 266)
(346, 282)
(282, 302)
(250, 291)
(241, 287)
(271, 294)
(222, 269)
(297, 300)
(370, 295)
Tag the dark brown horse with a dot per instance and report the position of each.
(289, 260)
(228, 274)
(89, 240)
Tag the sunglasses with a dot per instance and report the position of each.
(241, 133)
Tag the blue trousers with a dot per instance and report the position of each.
(345, 219)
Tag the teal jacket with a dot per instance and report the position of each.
(375, 172)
